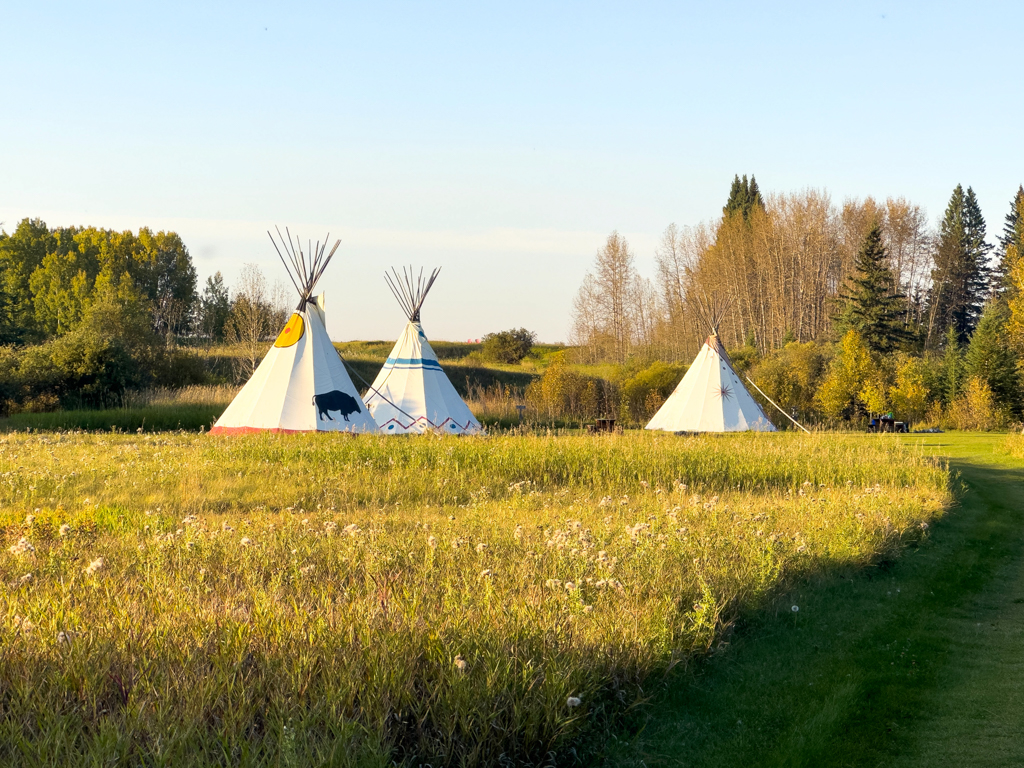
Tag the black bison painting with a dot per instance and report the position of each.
(335, 400)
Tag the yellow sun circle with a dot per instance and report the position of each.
(292, 332)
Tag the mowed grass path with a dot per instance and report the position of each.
(920, 663)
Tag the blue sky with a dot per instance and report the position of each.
(501, 142)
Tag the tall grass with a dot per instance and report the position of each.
(207, 394)
(304, 600)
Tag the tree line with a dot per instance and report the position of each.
(837, 310)
(88, 313)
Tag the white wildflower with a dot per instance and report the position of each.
(352, 529)
(460, 664)
(65, 529)
(432, 542)
(486, 573)
(94, 566)
(481, 547)
(795, 608)
(25, 579)
(22, 623)
(23, 547)
(29, 519)
(63, 638)
(246, 541)
(573, 702)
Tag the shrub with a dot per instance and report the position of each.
(909, 396)
(645, 392)
(508, 346)
(792, 375)
(976, 408)
(563, 392)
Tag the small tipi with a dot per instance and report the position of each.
(411, 394)
(301, 385)
(711, 397)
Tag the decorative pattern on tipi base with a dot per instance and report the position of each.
(412, 394)
(423, 424)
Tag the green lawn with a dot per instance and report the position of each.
(916, 663)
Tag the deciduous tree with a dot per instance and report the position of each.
(214, 306)
(612, 312)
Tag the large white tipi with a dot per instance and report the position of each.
(711, 397)
(412, 394)
(301, 385)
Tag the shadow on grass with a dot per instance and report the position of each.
(847, 679)
(155, 418)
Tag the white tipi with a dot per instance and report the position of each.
(411, 394)
(711, 397)
(302, 384)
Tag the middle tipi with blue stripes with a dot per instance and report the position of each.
(412, 394)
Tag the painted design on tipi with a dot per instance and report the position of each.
(412, 394)
(292, 332)
(301, 385)
(335, 400)
(711, 397)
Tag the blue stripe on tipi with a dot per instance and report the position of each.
(413, 362)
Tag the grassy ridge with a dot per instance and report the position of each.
(310, 600)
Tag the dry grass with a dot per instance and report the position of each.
(306, 600)
(205, 394)
(1014, 445)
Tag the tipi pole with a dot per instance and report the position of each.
(283, 262)
(805, 429)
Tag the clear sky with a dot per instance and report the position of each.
(502, 142)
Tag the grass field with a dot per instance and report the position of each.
(273, 600)
(915, 664)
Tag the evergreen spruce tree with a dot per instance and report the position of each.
(1013, 235)
(960, 275)
(754, 195)
(952, 367)
(744, 196)
(990, 357)
(872, 306)
(737, 196)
